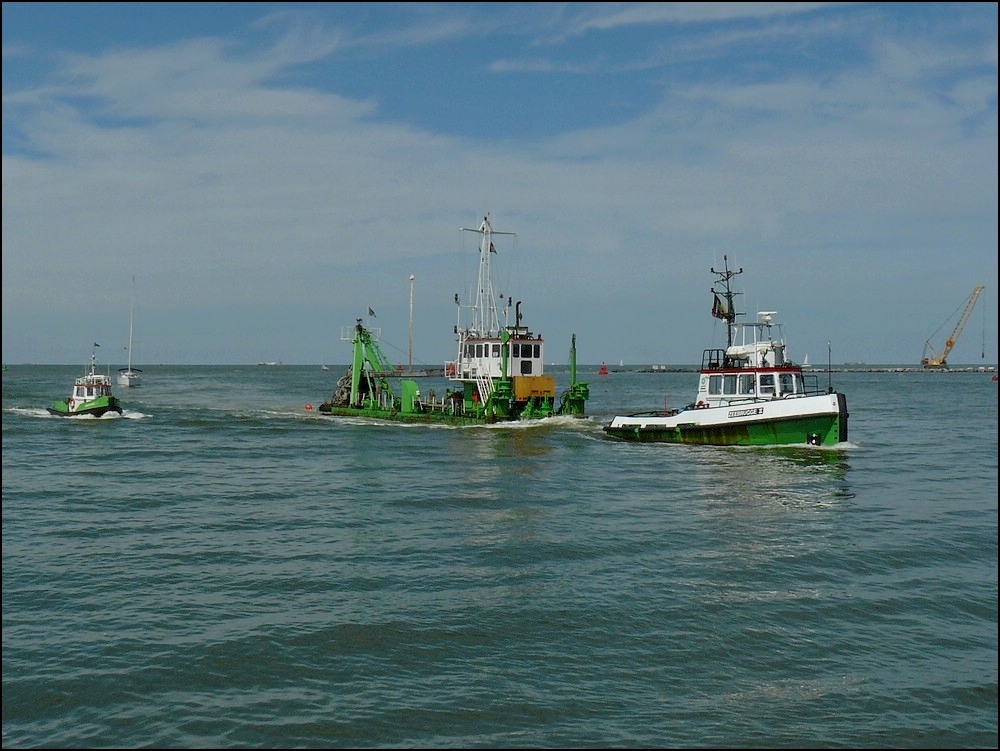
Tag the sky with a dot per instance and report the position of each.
(267, 172)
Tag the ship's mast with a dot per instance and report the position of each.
(485, 319)
(729, 313)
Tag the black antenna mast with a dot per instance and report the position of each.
(729, 314)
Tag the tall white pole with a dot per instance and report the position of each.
(411, 324)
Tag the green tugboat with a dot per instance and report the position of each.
(497, 375)
(749, 394)
(91, 395)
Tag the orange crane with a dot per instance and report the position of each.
(941, 361)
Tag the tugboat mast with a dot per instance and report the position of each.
(728, 311)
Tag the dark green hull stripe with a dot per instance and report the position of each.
(825, 430)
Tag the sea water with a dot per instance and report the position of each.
(223, 567)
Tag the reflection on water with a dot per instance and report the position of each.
(808, 456)
(784, 475)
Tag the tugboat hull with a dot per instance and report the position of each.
(822, 423)
(96, 408)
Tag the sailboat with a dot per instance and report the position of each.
(129, 376)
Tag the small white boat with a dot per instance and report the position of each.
(749, 394)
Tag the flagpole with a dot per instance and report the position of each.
(410, 368)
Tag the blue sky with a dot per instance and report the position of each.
(266, 172)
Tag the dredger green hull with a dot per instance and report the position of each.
(460, 408)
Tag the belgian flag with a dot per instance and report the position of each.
(719, 309)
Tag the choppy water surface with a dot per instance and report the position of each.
(222, 567)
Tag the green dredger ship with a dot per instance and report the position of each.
(498, 373)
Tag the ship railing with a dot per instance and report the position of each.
(449, 404)
(718, 359)
(745, 399)
(713, 359)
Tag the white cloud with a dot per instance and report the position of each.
(261, 200)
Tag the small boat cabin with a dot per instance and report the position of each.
(90, 387)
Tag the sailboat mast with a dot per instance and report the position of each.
(131, 316)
